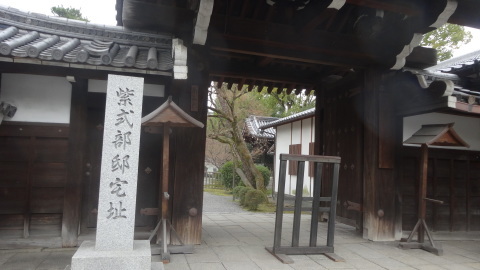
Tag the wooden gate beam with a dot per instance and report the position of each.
(76, 146)
(380, 199)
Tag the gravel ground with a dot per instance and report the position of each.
(220, 204)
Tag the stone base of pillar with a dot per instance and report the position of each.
(87, 257)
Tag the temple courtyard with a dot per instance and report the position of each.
(237, 241)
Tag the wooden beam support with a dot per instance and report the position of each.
(9, 67)
(315, 55)
(466, 14)
(410, 8)
(280, 41)
(157, 17)
(245, 6)
(189, 151)
(315, 22)
(264, 61)
(76, 146)
(274, 74)
(379, 183)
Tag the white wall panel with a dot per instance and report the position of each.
(44, 99)
(282, 142)
(152, 90)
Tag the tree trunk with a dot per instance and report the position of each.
(249, 168)
(225, 109)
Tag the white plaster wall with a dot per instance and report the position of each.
(307, 137)
(468, 128)
(282, 141)
(300, 132)
(152, 90)
(296, 132)
(44, 99)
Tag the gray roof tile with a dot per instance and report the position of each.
(39, 38)
(288, 119)
(253, 123)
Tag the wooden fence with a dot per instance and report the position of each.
(212, 179)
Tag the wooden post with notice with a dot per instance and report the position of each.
(439, 135)
(167, 115)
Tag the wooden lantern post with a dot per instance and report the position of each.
(167, 115)
(438, 135)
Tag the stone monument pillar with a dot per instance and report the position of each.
(114, 247)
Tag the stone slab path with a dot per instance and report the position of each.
(233, 239)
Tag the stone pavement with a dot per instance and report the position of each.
(237, 241)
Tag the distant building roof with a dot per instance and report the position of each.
(438, 135)
(457, 63)
(47, 40)
(252, 127)
(461, 80)
(294, 117)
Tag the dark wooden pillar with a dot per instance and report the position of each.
(380, 135)
(319, 121)
(191, 96)
(75, 173)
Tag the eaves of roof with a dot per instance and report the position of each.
(253, 123)
(294, 117)
(46, 40)
(456, 63)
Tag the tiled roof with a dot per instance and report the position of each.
(455, 63)
(252, 126)
(448, 70)
(426, 77)
(288, 119)
(39, 39)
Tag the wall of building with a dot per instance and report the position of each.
(151, 90)
(299, 132)
(468, 128)
(46, 99)
(39, 99)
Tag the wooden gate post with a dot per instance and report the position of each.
(76, 146)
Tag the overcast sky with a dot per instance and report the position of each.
(103, 12)
(97, 11)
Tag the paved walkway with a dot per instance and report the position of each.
(234, 241)
(220, 204)
(237, 240)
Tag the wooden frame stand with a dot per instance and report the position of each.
(438, 135)
(281, 252)
(163, 248)
(421, 227)
(166, 116)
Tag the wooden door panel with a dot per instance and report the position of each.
(11, 221)
(344, 138)
(47, 200)
(46, 224)
(32, 175)
(454, 178)
(51, 150)
(13, 174)
(49, 175)
(13, 200)
(15, 148)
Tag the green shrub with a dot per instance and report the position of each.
(241, 194)
(265, 173)
(227, 173)
(253, 198)
(236, 192)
